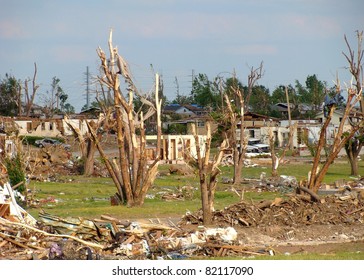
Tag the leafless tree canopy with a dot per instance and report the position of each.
(130, 172)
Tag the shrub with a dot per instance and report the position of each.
(15, 171)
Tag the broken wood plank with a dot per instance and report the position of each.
(3, 243)
(241, 220)
(129, 240)
(13, 241)
(236, 248)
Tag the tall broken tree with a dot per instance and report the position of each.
(130, 171)
(277, 160)
(29, 97)
(235, 115)
(342, 136)
(355, 144)
(208, 172)
(238, 144)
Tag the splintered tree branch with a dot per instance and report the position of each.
(30, 97)
(255, 75)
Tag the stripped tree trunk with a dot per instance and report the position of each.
(353, 148)
(355, 95)
(355, 144)
(239, 146)
(131, 173)
(340, 139)
(208, 172)
(277, 160)
(87, 146)
(29, 98)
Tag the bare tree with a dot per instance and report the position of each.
(208, 172)
(131, 172)
(236, 117)
(277, 160)
(341, 136)
(29, 97)
(354, 144)
(237, 144)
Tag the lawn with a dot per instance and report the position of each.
(87, 197)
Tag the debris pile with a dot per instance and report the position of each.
(181, 169)
(110, 238)
(48, 161)
(228, 160)
(181, 193)
(46, 157)
(52, 237)
(297, 210)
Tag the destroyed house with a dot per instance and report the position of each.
(254, 123)
(184, 111)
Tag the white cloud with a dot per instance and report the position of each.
(10, 29)
(252, 49)
(311, 25)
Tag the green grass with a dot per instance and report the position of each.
(89, 197)
(86, 197)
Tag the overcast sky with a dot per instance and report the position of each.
(293, 38)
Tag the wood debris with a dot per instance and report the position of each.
(296, 210)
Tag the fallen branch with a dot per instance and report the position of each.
(314, 196)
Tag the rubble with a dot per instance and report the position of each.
(181, 193)
(228, 160)
(109, 238)
(296, 210)
(52, 237)
(181, 169)
(10, 209)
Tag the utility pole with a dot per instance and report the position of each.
(193, 78)
(177, 87)
(289, 120)
(87, 89)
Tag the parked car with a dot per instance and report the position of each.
(264, 148)
(45, 142)
(253, 149)
(253, 141)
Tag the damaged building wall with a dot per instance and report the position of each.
(179, 147)
(38, 127)
(49, 127)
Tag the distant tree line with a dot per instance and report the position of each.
(208, 94)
